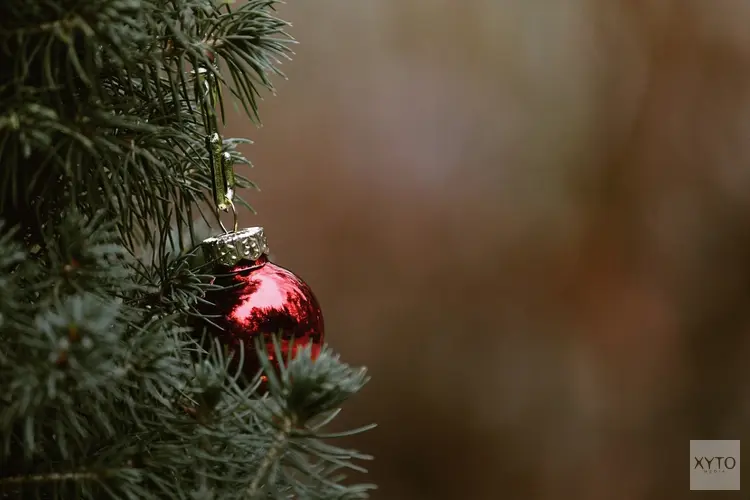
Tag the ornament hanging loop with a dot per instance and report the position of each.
(235, 221)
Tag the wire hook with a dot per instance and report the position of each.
(235, 220)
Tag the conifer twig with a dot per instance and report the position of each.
(50, 478)
(280, 442)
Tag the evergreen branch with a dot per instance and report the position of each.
(281, 440)
(102, 128)
(81, 475)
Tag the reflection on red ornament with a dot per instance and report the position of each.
(292, 345)
(261, 299)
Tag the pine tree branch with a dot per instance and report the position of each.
(56, 26)
(102, 141)
(211, 44)
(57, 477)
(274, 452)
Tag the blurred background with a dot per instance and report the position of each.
(531, 220)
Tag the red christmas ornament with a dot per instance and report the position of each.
(258, 298)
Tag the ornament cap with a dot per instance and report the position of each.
(228, 249)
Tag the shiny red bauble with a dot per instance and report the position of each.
(261, 300)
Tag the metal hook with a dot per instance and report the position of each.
(234, 219)
(234, 216)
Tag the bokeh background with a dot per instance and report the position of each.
(531, 220)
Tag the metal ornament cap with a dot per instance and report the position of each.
(231, 248)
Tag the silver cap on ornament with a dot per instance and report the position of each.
(231, 248)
